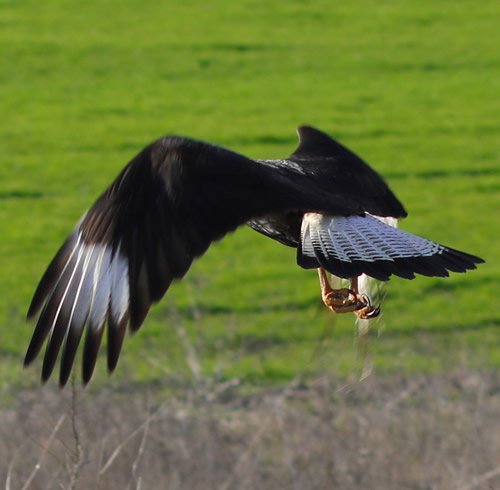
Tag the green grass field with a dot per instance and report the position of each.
(413, 87)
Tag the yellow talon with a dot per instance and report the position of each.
(346, 300)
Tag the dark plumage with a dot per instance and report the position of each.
(173, 200)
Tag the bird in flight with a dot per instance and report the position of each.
(179, 195)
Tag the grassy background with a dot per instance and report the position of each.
(411, 86)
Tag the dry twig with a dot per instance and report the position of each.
(45, 449)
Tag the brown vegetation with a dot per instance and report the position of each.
(430, 432)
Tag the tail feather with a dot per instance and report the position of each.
(350, 246)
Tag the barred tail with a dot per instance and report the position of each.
(350, 246)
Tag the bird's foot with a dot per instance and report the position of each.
(347, 300)
(368, 311)
(340, 300)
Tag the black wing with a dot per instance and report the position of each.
(163, 210)
(345, 174)
(337, 171)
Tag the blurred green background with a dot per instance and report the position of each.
(410, 86)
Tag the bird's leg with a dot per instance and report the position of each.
(366, 311)
(345, 300)
(338, 300)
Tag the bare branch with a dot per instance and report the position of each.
(479, 480)
(117, 450)
(140, 453)
(77, 459)
(38, 465)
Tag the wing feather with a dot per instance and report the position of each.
(162, 211)
(81, 306)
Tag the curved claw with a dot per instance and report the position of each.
(367, 300)
(368, 312)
